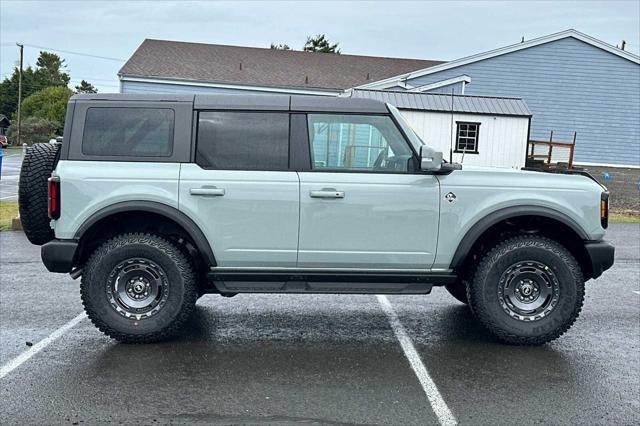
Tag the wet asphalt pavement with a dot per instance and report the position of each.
(311, 359)
(11, 163)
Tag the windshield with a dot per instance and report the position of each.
(415, 140)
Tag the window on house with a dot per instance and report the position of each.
(367, 143)
(467, 137)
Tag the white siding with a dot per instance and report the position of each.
(502, 140)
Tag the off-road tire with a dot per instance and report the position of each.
(483, 292)
(458, 290)
(37, 165)
(181, 283)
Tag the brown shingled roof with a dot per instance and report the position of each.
(216, 63)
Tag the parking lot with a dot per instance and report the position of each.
(11, 163)
(315, 359)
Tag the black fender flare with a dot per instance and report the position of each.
(491, 219)
(194, 231)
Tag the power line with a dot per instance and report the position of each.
(110, 80)
(37, 85)
(108, 58)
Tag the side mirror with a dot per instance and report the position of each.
(430, 159)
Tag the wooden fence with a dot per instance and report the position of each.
(541, 153)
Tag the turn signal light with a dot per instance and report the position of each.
(604, 210)
(54, 197)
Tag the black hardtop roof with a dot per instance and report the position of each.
(250, 102)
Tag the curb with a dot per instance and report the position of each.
(16, 224)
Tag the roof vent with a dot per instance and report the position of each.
(368, 76)
(306, 79)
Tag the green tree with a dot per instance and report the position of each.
(280, 46)
(9, 90)
(49, 71)
(86, 87)
(33, 130)
(320, 43)
(49, 103)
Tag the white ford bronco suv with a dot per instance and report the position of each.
(155, 200)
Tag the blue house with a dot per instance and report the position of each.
(570, 81)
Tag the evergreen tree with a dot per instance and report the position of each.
(320, 43)
(86, 87)
(280, 46)
(49, 71)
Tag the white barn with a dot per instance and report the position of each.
(488, 131)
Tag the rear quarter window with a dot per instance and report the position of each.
(128, 132)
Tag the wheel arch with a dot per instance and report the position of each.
(169, 213)
(479, 230)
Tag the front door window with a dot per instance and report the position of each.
(365, 143)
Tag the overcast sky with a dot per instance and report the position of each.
(425, 30)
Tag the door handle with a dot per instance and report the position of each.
(326, 193)
(207, 191)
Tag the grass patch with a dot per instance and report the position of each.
(624, 217)
(8, 210)
(12, 150)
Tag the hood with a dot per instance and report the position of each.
(570, 179)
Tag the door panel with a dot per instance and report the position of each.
(368, 220)
(360, 206)
(249, 217)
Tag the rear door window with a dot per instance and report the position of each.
(243, 140)
(128, 132)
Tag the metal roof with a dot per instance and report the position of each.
(442, 102)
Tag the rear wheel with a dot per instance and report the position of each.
(138, 288)
(527, 290)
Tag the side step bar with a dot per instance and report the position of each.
(327, 282)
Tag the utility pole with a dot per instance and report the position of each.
(20, 92)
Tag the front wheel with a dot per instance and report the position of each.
(138, 288)
(528, 290)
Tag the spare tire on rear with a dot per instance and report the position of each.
(37, 165)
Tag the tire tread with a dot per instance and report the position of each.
(186, 271)
(38, 163)
(502, 249)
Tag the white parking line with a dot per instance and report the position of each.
(24, 356)
(440, 408)
(635, 291)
